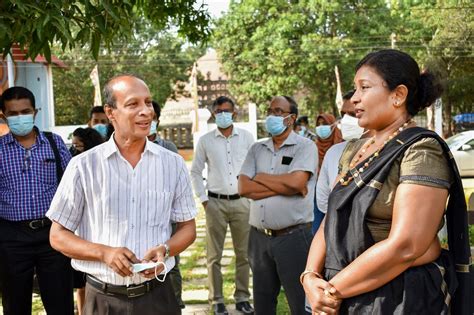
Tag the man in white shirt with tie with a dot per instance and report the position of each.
(224, 151)
(114, 207)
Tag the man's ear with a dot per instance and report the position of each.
(109, 111)
(34, 115)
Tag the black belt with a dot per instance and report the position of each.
(285, 231)
(220, 196)
(132, 291)
(34, 224)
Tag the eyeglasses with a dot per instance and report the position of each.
(276, 112)
(218, 111)
(26, 161)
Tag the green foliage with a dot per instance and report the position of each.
(38, 25)
(160, 58)
(291, 47)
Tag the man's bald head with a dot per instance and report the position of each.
(110, 99)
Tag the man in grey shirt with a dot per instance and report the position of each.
(279, 176)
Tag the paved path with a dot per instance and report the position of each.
(195, 292)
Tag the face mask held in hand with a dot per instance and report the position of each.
(136, 268)
(21, 125)
(275, 125)
(224, 120)
(324, 131)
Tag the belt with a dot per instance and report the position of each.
(220, 196)
(35, 224)
(132, 291)
(285, 231)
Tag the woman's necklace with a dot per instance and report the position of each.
(345, 179)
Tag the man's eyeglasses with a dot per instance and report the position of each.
(26, 161)
(276, 112)
(218, 111)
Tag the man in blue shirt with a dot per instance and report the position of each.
(31, 163)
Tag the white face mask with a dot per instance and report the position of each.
(350, 128)
(144, 266)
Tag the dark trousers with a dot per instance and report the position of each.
(159, 301)
(275, 262)
(24, 252)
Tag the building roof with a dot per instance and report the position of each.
(210, 67)
(20, 55)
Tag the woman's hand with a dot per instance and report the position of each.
(321, 295)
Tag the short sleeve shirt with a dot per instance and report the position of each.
(423, 163)
(104, 200)
(296, 154)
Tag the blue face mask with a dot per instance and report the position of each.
(224, 120)
(153, 126)
(21, 125)
(102, 129)
(302, 131)
(324, 131)
(275, 125)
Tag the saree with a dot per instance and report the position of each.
(439, 287)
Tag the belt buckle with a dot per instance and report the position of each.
(136, 291)
(33, 226)
(268, 232)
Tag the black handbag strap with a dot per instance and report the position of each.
(57, 156)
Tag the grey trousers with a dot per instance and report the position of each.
(219, 214)
(160, 301)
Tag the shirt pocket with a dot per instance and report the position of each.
(45, 168)
(159, 208)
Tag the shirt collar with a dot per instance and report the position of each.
(8, 138)
(292, 139)
(218, 133)
(110, 147)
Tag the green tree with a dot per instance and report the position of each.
(291, 47)
(160, 58)
(39, 25)
(448, 50)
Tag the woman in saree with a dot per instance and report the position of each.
(377, 251)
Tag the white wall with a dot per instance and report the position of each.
(36, 78)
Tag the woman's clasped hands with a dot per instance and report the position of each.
(321, 295)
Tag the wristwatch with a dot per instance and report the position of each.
(167, 250)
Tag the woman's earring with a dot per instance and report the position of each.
(396, 103)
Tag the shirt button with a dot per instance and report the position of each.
(261, 206)
(133, 200)
(133, 226)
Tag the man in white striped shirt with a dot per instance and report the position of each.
(115, 205)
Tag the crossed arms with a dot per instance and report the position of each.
(267, 185)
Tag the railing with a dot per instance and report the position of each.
(181, 135)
